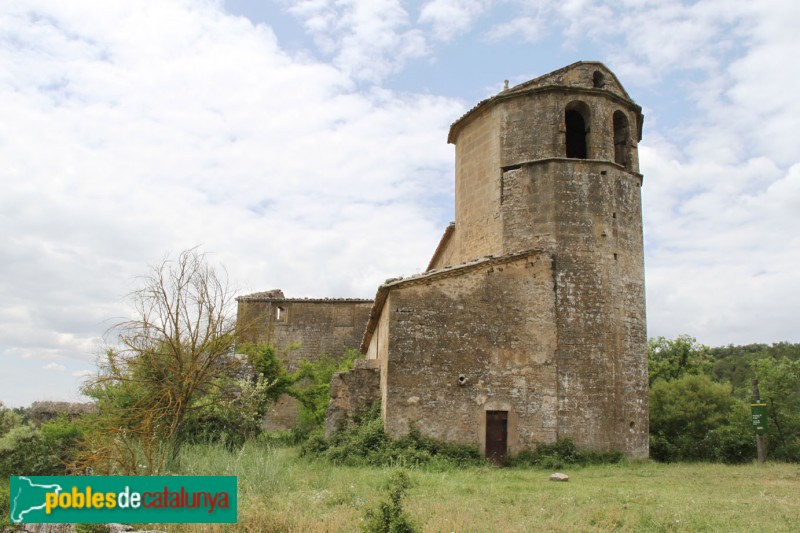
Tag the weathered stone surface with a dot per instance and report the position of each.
(300, 329)
(532, 307)
(352, 393)
(558, 476)
(516, 189)
(492, 323)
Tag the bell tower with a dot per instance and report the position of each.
(553, 164)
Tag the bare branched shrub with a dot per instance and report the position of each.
(162, 360)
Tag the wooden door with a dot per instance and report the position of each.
(497, 436)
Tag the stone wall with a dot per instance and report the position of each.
(477, 228)
(352, 394)
(300, 329)
(472, 339)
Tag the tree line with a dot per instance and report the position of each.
(700, 400)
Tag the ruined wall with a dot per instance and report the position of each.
(316, 326)
(352, 394)
(493, 323)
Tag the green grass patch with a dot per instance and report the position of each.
(281, 491)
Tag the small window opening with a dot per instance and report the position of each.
(615, 257)
(614, 215)
(621, 138)
(598, 80)
(280, 314)
(576, 122)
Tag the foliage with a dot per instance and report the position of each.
(49, 450)
(170, 353)
(365, 443)
(5, 497)
(66, 440)
(779, 385)
(390, 516)
(311, 386)
(233, 419)
(561, 453)
(736, 363)
(267, 365)
(8, 420)
(24, 452)
(279, 491)
(692, 418)
(670, 359)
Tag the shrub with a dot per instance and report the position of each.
(564, 452)
(24, 452)
(694, 419)
(8, 419)
(5, 497)
(365, 443)
(390, 516)
(65, 439)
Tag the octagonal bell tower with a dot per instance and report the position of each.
(553, 164)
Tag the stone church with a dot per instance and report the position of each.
(529, 323)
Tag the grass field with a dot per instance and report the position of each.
(280, 492)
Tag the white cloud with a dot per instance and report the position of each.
(450, 18)
(55, 367)
(133, 131)
(368, 39)
(526, 28)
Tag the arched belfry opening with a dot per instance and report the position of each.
(621, 139)
(576, 121)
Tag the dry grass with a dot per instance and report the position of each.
(280, 492)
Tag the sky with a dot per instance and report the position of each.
(302, 146)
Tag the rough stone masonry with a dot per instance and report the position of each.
(529, 324)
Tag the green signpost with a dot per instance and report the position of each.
(759, 411)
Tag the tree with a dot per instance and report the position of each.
(693, 418)
(779, 385)
(180, 338)
(670, 359)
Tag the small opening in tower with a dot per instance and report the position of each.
(614, 214)
(621, 138)
(598, 80)
(576, 121)
(615, 257)
(280, 314)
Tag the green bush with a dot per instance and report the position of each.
(365, 443)
(390, 516)
(8, 419)
(48, 451)
(562, 453)
(694, 419)
(24, 452)
(5, 499)
(65, 439)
